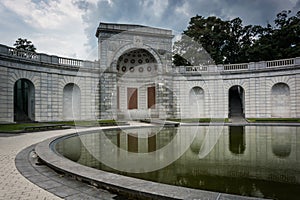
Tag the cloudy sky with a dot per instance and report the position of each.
(67, 27)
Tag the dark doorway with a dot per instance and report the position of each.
(24, 101)
(236, 101)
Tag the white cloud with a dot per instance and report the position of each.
(66, 27)
(57, 26)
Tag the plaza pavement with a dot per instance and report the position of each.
(13, 185)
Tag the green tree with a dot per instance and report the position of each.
(24, 44)
(278, 42)
(188, 52)
(231, 42)
(224, 41)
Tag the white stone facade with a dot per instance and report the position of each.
(270, 88)
(258, 81)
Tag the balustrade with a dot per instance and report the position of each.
(70, 62)
(234, 67)
(280, 63)
(44, 58)
(23, 54)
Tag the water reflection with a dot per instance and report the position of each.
(237, 143)
(282, 141)
(71, 148)
(253, 161)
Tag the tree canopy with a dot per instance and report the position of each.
(24, 44)
(231, 42)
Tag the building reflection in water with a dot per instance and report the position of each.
(281, 141)
(257, 161)
(237, 143)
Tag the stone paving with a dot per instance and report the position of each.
(61, 185)
(13, 185)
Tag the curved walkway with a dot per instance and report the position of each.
(13, 185)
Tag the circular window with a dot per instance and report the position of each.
(149, 68)
(139, 55)
(140, 61)
(141, 69)
(123, 69)
(126, 60)
(131, 69)
(132, 61)
(147, 60)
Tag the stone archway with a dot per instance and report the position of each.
(137, 71)
(24, 101)
(280, 96)
(236, 99)
(71, 102)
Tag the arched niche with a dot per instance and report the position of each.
(196, 102)
(71, 102)
(280, 97)
(24, 101)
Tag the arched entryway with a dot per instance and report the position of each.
(280, 97)
(137, 71)
(24, 101)
(236, 101)
(196, 102)
(71, 102)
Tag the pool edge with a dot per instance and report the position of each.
(124, 185)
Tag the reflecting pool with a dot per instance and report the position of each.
(254, 161)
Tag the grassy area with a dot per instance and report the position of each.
(13, 128)
(274, 120)
(199, 120)
(17, 127)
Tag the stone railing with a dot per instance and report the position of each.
(234, 67)
(47, 59)
(22, 54)
(242, 67)
(70, 62)
(195, 68)
(75, 63)
(280, 63)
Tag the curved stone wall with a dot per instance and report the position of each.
(270, 88)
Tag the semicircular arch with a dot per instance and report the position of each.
(131, 46)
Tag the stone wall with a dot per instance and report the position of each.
(271, 88)
(49, 80)
(257, 82)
